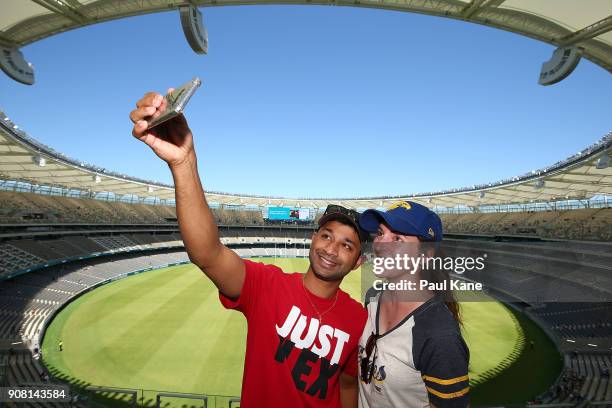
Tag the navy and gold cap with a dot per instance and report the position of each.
(407, 218)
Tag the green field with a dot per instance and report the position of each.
(166, 330)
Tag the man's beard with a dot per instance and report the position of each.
(338, 276)
(333, 278)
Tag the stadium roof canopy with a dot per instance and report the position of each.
(584, 24)
(585, 175)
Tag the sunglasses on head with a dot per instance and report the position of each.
(367, 369)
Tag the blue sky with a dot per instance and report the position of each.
(315, 101)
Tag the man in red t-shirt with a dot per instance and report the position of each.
(303, 331)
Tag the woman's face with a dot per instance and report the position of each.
(385, 234)
(390, 244)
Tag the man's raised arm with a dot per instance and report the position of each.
(172, 142)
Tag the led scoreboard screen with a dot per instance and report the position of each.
(288, 213)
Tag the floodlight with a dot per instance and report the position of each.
(563, 62)
(193, 28)
(40, 161)
(15, 66)
(603, 162)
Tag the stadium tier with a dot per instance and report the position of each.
(591, 224)
(585, 377)
(36, 209)
(22, 368)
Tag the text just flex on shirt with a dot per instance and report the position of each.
(291, 358)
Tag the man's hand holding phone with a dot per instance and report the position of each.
(170, 139)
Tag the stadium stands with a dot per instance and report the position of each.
(582, 224)
(18, 207)
(22, 370)
(542, 271)
(585, 379)
(590, 321)
(28, 253)
(13, 259)
(36, 209)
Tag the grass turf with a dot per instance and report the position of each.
(166, 330)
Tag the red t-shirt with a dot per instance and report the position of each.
(292, 360)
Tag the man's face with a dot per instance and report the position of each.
(335, 251)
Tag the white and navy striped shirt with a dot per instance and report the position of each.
(423, 360)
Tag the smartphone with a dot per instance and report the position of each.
(176, 102)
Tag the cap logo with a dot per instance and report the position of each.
(430, 231)
(402, 204)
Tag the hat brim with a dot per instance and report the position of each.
(371, 219)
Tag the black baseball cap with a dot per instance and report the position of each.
(335, 212)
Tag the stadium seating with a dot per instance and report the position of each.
(13, 259)
(17, 207)
(536, 272)
(27, 253)
(24, 369)
(583, 224)
(39, 208)
(585, 378)
(591, 321)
